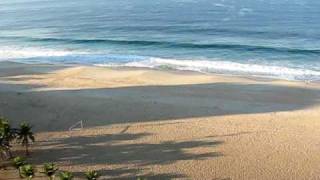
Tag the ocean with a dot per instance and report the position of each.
(265, 38)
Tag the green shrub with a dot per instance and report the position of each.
(27, 171)
(18, 162)
(49, 169)
(92, 175)
(65, 175)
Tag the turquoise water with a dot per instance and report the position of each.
(270, 38)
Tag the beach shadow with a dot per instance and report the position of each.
(132, 174)
(10, 69)
(106, 150)
(56, 110)
(123, 150)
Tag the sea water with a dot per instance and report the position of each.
(268, 38)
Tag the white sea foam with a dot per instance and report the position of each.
(226, 67)
(42, 55)
(8, 53)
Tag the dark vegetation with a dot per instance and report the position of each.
(24, 136)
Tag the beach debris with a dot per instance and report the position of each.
(77, 126)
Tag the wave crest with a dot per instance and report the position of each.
(281, 71)
(226, 67)
(168, 44)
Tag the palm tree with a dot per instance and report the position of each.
(18, 162)
(50, 169)
(7, 134)
(27, 171)
(3, 146)
(65, 175)
(92, 175)
(25, 135)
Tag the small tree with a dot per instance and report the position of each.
(65, 175)
(92, 175)
(27, 171)
(49, 169)
(18, 162)
(25, 135)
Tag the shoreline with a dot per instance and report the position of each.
(175, 71)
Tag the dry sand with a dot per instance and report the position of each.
(165, 125)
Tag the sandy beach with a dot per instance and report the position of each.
(164, 124)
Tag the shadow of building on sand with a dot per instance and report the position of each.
(125, 150)
(107, 106)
